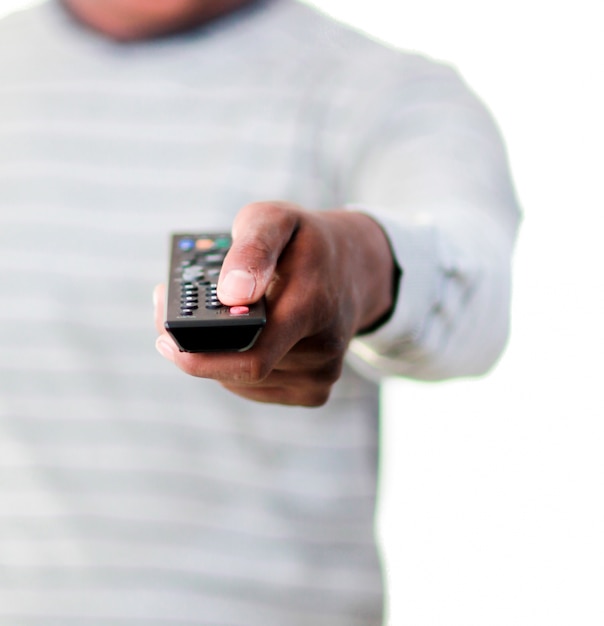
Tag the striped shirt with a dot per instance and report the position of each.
(130, 493)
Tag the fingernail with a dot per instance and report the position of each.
(238, 284)
(165, 348)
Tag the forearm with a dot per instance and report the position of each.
(452, 314)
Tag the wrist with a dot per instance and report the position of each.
(374, 272)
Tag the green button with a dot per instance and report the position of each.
(222, 242)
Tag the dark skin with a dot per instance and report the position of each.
(326, 275)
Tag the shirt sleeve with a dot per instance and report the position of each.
(432, 170)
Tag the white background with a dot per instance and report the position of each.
(492, 503)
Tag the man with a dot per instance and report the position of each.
(370, 202)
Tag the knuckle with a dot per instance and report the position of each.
(254, 249)
(334, 349)
(317, 397)
(252, 371)
(190, 367)
(265, 216)
(270, 210)
(332, 372)
(331, 345)
(317, 388)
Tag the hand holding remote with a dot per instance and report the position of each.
(325, 276)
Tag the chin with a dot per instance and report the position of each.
(129, 20)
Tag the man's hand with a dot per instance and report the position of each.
(326, 276)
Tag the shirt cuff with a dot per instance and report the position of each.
(415, 246)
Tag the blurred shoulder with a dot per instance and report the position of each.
(316, 41)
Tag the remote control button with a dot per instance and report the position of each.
(213, 273)
(186, 244)
(204, 244)
(239, 310)
(214, 259)
(213, 304)
(192, 273)
(222, 242)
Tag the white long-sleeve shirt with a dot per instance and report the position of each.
(131, 493)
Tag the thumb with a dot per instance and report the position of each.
(260, 233)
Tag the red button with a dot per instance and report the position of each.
(239, 310)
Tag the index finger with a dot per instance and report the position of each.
(260, 232)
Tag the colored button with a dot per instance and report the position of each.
(239, 310)
(222, 242)
(186, 244)
(204, 244)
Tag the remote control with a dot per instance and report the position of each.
(195, 317)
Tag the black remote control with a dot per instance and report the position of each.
(195, 318)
